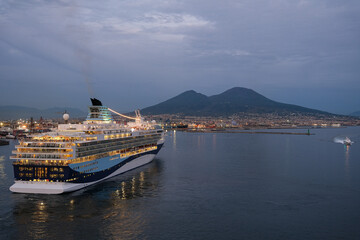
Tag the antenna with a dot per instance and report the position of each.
(137, 113)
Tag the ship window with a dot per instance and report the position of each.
(40, 172)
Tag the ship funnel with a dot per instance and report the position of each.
(95, 102)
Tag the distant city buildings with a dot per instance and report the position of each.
(255, 121)
(24, 127)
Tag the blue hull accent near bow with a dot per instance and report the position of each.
(91, 171)
(95, 176)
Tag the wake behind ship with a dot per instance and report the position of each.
(78, 155)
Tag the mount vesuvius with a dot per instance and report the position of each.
(233, 101)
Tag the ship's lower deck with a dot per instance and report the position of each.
(73, 180)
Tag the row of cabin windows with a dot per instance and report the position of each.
(51, 175)
(30, 169)
(112, 146)
(114, 140)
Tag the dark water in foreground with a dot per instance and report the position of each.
(206, 186)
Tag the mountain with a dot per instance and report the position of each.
(189, 102)
(355, 114)
(17, 112)
(232, 101)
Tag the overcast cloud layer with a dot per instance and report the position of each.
(132, 54)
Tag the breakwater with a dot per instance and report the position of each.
(245, 132)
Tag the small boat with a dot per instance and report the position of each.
(348, 142)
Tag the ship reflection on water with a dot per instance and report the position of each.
(2, 168)
(107, 205)
(347, 157)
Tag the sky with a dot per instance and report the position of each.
(132, 54)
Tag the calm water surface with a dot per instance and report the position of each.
(206, 186)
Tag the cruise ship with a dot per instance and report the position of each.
(74, 156)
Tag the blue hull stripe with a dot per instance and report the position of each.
(91, 177)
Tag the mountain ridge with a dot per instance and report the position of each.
(355, 114)
(232, 101)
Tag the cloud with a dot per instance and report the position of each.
(177, 45)
(217, 52)
(159, 26)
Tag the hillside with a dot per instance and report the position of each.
(189, 102)
(232, 101)
(355, 114)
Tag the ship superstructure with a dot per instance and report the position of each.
(78, 155)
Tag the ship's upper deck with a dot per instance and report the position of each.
(99, 124)
(63, 143)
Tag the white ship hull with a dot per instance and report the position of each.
(62, 187)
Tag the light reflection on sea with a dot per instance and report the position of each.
(2, 168)
(107, 203)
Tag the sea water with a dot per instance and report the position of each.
(206, 186)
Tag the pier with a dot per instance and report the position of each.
(244, 132)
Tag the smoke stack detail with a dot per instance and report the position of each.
(95, 102)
